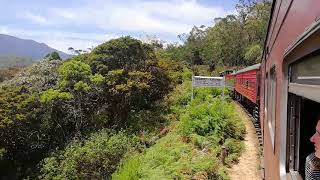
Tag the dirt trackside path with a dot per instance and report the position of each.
(249, 162)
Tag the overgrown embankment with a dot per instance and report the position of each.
(112, 114)
(192, 147)
(54, 110)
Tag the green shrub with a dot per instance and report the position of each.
(174, 69)
(205, 93)
(129, 169)
(178, 99)
(234, 147)
(186, 74)
(95, 158)
(213, 117)
(201, 70)
(171, 158)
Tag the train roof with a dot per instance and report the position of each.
(250, 68)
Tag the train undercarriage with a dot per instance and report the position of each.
(252, 110)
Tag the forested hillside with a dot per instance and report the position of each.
(124, 110)
(233, 41)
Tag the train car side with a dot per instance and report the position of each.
(290, 87)
(247, 83)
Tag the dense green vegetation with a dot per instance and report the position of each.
(95, 158)
(233, 41)
(124, 110)
(192, 146)
(54, 103)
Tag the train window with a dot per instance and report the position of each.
(247, 83)
(272, 104)
(304, 77)
(306, 71)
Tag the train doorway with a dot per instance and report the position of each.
(302, 119)
(303, 109)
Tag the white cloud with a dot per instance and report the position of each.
(163, 18)
(174, 17)
(64, 13)
(4, 30)
(36, 18)
(62, 40)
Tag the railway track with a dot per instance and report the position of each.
(254, 117)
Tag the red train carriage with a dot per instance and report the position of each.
(247, 84)
(290, 87)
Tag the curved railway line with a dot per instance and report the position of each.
(255, 122)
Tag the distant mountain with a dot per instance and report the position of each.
(11, 46)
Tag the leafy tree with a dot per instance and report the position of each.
(228, 40)
(133, 77)
(22, 138)
(52, 56)
(253, 54)
(40, 76)
(53, 102)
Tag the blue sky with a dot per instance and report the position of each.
(86, 23)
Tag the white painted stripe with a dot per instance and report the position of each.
(308, 77)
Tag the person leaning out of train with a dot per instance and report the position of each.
(313, 160)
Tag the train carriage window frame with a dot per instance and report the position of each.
(266, 97)
(271, 100)
(307, 45)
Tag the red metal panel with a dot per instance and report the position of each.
(249, 91)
